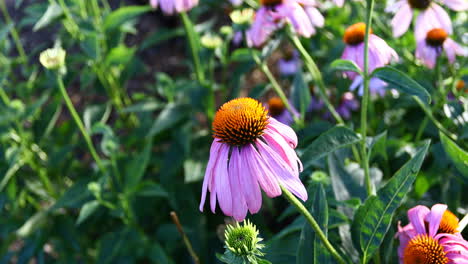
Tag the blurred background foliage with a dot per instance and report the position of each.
(129, 74)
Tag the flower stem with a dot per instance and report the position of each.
(14, 33)
(193, 46)
(428, 113)
(365, 99)
(79, 123)
(187, 243)
(313, 69)
(300, 207)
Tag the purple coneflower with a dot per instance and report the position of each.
(430, 47)
(432, 236)
(250, 150)
(431, 15)
(278, 110)
(376, 86)
(170, 7)
(302, 14)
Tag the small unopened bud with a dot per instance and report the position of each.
(242, 241)
(210, 41)
(242, 17)
(53, 59)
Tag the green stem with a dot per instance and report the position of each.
(193, 46)
(313, 69)
(79, 123)
(74, 28)
(365, 99)
(300, 207)
(14, 33)
(428, 113)
(274, 83)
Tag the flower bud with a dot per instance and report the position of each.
(210, 41)
(53, 59)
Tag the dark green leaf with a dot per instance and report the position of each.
(376, 217)
(300, 93)
(333, 139)
(243, 54)
(168, 117)
(137, 167)
(457, 155)
(122, 15)
(402, 82)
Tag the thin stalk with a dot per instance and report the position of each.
(187, 243)
(74, 28)
(300, 207)
(365, 99)
(79, 123)
(276, 86)
(313, 69)
(428, 113)
(14, 33)
(193, 47)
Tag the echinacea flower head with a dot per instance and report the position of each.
(431, 15)
(273, 14)
(250, 151)
(432, 236)
(380, 54)
(170, 7)
(431, 47)
(242, 239)
(277, 109)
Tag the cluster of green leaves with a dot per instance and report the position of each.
(152, 131)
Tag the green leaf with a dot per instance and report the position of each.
(243, 54)
(53, 12)
(376, 216)
(120, 55)
(169, 116)
(333, 139)
(122, 15)
(193, 170)
(87, 210)
(310, 248)
(345, 65)
(5, 30)
(161, 35)
(137, 167)
(402, 82)
(300, 93)
(152, 189)
(90, 45)
(34, 223)
(145, 106)
(377, 145)
(457, 155)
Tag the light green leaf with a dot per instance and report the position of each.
(457, 155)
(376, 216)
(333, 139)
(87, 210)
(53, 11)
(122, 15)
(345, 65)
(402, 82)
(300, 93)
(169, 116)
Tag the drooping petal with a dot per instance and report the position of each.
(280, 146)
(416, 216)
(214, 153)
(239, 205)
(452, 49)
(434, 217)
(265, 177)
(221, 182)
(284, 173)
(249, 183)
(457, 5)
(402, 20)
(315, 16)
(285, 131)
(298, 18)
(261, 28)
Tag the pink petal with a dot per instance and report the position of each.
(239, 206)
(280, 146)
(457, 5)
(402, 20)
(285, 174)
(434, 217)
(315, 16)
(452, 49)
(249, 183)
(154, 3)
(215, 146)
(285, 131)
(221, 182)
(266, 178)
(298, 18)
(416, 216)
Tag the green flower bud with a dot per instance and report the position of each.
(243, 240)
(210, 41)
(242, 17)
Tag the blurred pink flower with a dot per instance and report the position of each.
(430, 47)
(376, 86)
(431, 15)
(250, 150)
(302, 14)
(348, 103)
(278, 110)
(380, 54)
(339, 3)
(290, 63)
(169, 7)
(431, 237)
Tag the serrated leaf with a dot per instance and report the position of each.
(122, 15)
(310, 248)
(87, 210)
(333, 139)
(53, 11)
(345, 65)
(457, 155)
(402, 82)
(378, 212)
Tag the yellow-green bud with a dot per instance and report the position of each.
(210, 41)
(242, 17)
(53, 59)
